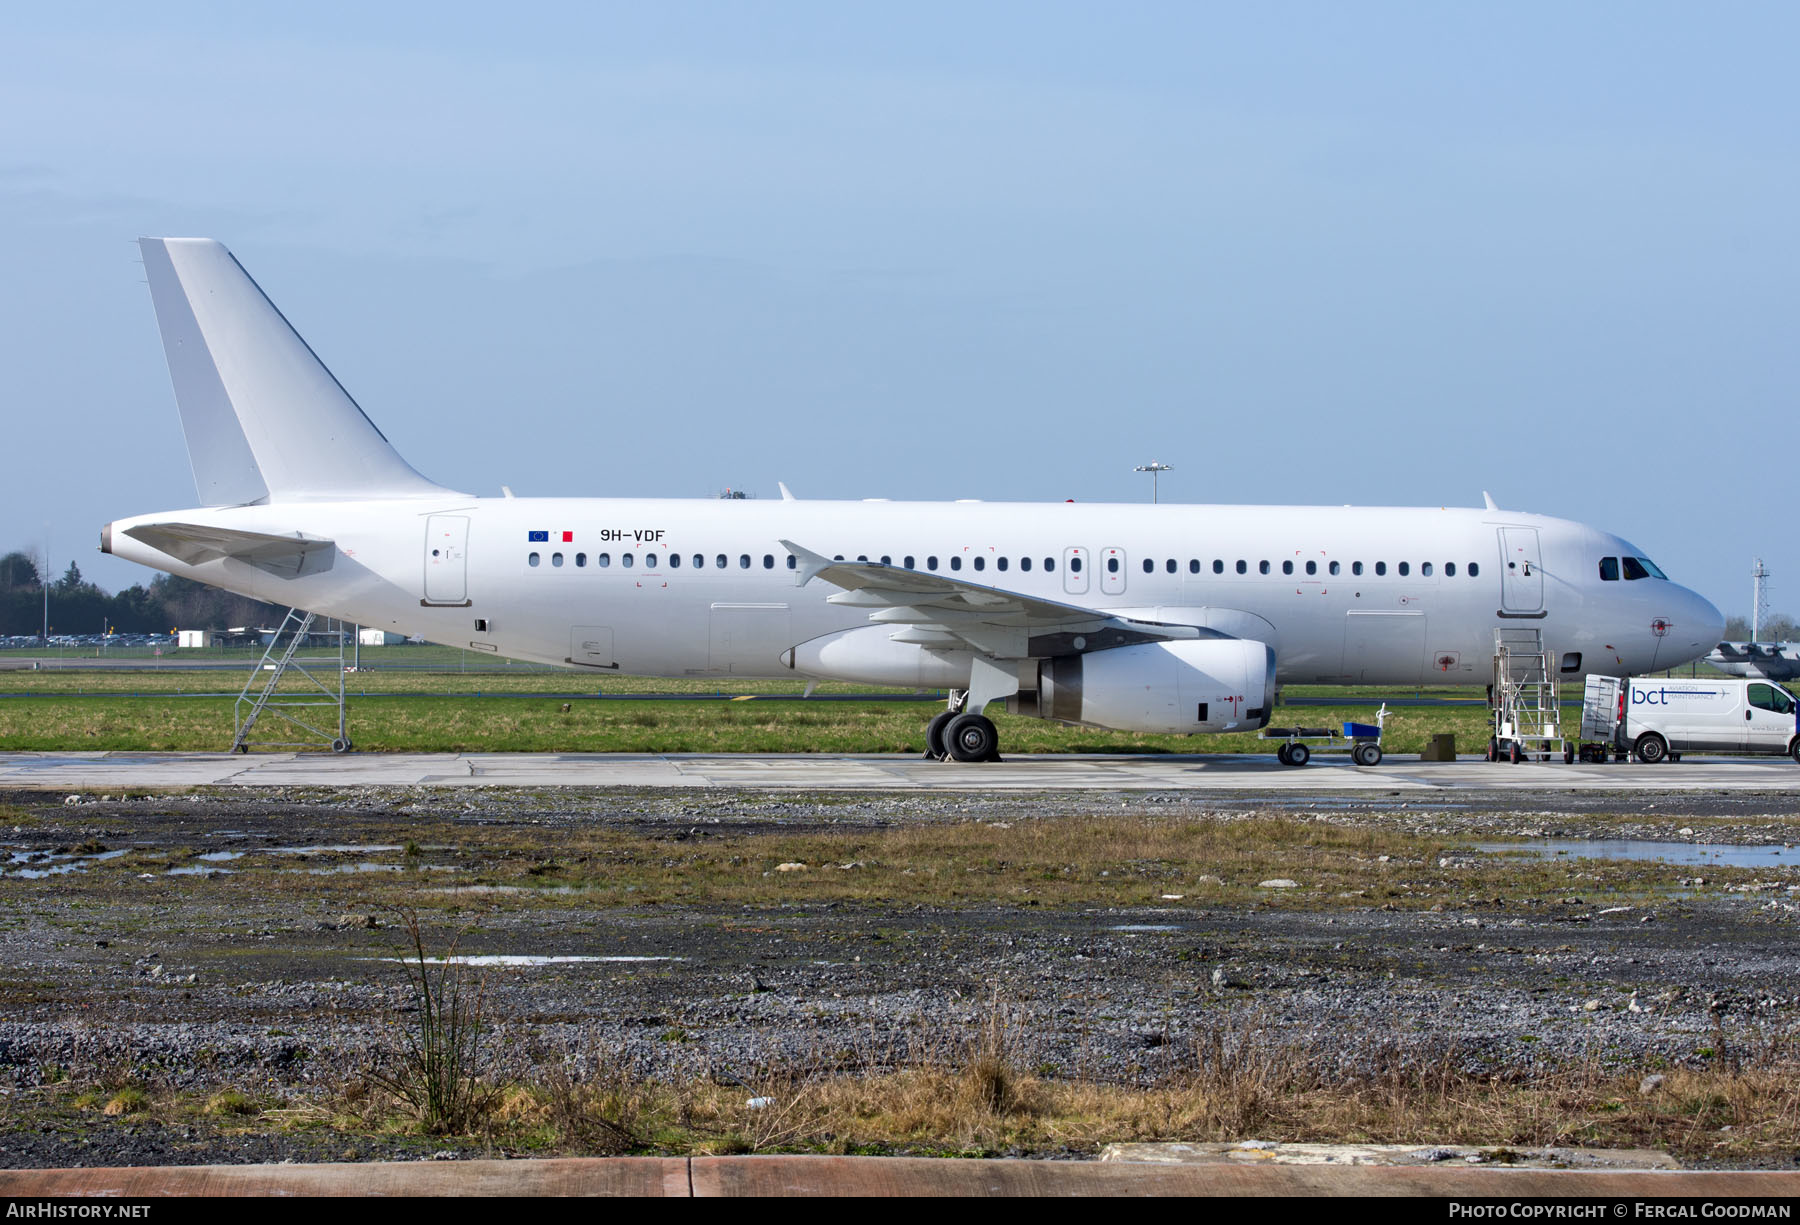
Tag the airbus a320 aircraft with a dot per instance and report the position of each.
(1161, 618)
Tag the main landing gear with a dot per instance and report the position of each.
(958, 736)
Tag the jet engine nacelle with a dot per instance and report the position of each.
(1209, 685)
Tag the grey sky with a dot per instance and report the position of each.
(1304, 252)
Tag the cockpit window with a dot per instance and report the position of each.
(1642, 567)
(1609, 569)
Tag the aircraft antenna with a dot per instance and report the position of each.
(1759, 599)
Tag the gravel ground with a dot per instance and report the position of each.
(201, 987)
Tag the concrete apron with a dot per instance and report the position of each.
(887, 1176)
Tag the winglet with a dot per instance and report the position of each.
(787, 495)
(811, 564)
(1489, 499)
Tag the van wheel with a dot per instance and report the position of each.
(1794, 750)
(1651, 748)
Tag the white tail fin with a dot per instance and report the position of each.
(265, 420)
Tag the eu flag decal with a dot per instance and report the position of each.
(538, 537)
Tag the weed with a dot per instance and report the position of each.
(439, 1073)
(129, 1100)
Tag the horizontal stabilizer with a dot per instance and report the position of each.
(283, 556)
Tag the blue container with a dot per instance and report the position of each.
(1361, 731)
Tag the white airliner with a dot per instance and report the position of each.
(1161, 618)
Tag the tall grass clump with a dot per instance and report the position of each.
(438, 1073)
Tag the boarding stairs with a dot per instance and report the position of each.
(1527, 711)
(301, 692)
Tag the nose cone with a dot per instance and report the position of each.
(1690, 629)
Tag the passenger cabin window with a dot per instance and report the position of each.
(1074, 565)
(743, 561)
(674, 561)
(1287, 567)
(886, 560)
(1024, 563)
(556, 559)
(603, 560)
(1380, 568)
(999, 563)
(625, 559)
(1425, 569)
(1242, 566)
(1474, 569)
(1609, 569)
(532, 560)
(1112, 565)
(1050, 564)
(768, 561)
(1768, 697)
(1356, 567)
(931, 563)
(1150, 566)
(907, 561)
(719, 561)
(699, 561)
(1312, 567)
(980, 562)
(1218, 565)
(1449, 569)
(581, 560)
(793, 562)
(1262, 567)
(1404, 568)
(956, 563)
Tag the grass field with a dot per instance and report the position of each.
(132, 712)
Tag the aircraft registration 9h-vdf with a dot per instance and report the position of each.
(1161, 618)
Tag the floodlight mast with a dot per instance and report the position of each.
(1154, 468)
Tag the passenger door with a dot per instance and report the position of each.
(1521, 578)
(1768, 718)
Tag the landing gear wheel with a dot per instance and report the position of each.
(341, 746)
(972, 738)
(1651, 748)
(1298, 755)
(935, 748)
(1281, 754)
(1515, 754)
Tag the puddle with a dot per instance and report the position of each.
(1694, 854)
(510, 960)
(198, 869)
(58, 865)
(1145, 927)
(220, 856)
(346, 868)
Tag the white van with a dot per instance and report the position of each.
(1656, 719)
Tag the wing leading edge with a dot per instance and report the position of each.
(932, 610)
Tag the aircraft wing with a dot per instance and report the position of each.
(288, 556)
(935, 611)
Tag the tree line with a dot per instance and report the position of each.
(80, 607)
